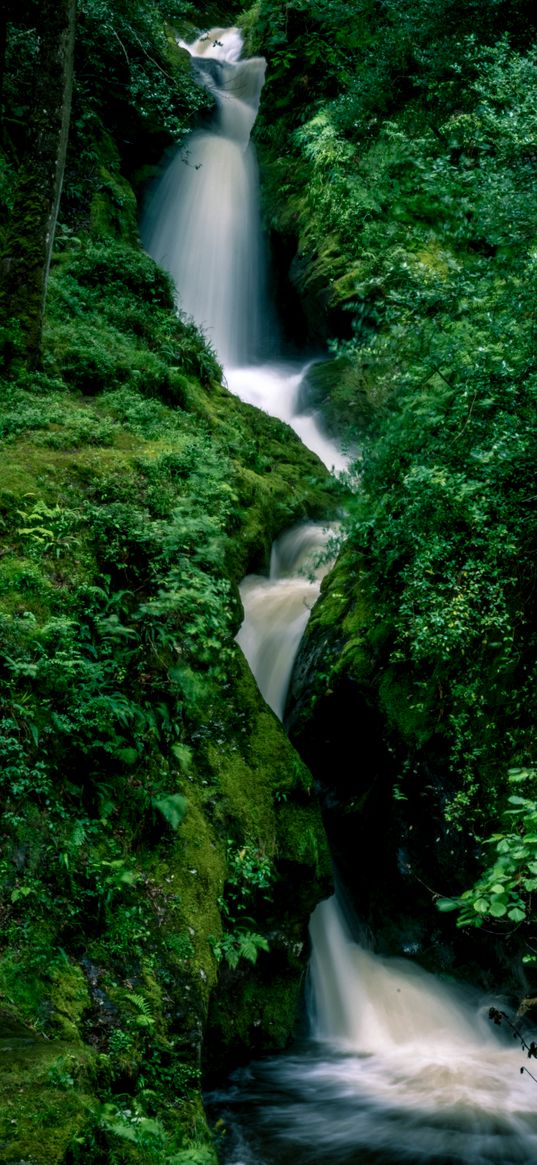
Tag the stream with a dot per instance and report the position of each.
(398, 1066)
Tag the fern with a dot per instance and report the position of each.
(241, 944)
(145, 1018)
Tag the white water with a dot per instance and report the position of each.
(276, 388)
(419, 1049)
(277, 608)
(202, 224)
(399, 1067)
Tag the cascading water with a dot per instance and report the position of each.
(398, 1067)
(202, 224)
(277, 609)
(202, 221)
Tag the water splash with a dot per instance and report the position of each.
(401, 1068)
(277, 608)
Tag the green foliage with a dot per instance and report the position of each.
(250, 876)
(249, 881)
(130, 335)
(505, 888)
(172, 807)
(133, 85)
(240, 944)
(408, 188)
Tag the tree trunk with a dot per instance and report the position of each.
(32, 223)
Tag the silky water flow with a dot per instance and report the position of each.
(398, 1066)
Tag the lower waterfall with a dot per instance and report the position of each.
(398, 1066)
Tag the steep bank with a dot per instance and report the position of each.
(160, 845)
(402, 203)
(139, 759)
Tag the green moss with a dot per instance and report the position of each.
(113, 208)
(70, 999)
(263, 1014)
(46, 1091)
(23, 587)
(134, 491)
(301, 838)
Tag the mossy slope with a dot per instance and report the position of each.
(137, 753)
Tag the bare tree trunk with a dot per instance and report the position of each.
(32, 223)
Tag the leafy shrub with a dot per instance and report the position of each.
(113, 267)
(504, 890)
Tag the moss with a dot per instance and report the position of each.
(263, 1015)
(23, 588)
(301, 838)
(113, 208)
(133, 488)
(70, 999)
(46, 1091)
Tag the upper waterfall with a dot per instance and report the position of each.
(202, 222)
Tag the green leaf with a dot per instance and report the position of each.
(128, 756)
(482, 905)
(516, 914)
(497, 908)
(172, 807)
(183, 754)
(445, 904)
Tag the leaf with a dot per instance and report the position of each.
(516, 914)
(21, 892)
(497, 908)
(183, 754)
(445, 904)
(482, 905)
(232, 956)
(172, 807)
(129, 756)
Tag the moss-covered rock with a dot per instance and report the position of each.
(139, 758)
(47, 1094)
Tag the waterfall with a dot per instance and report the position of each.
(202, 221)
(213, 254)
(277, 608)
(202, 224)
(398, 1067)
